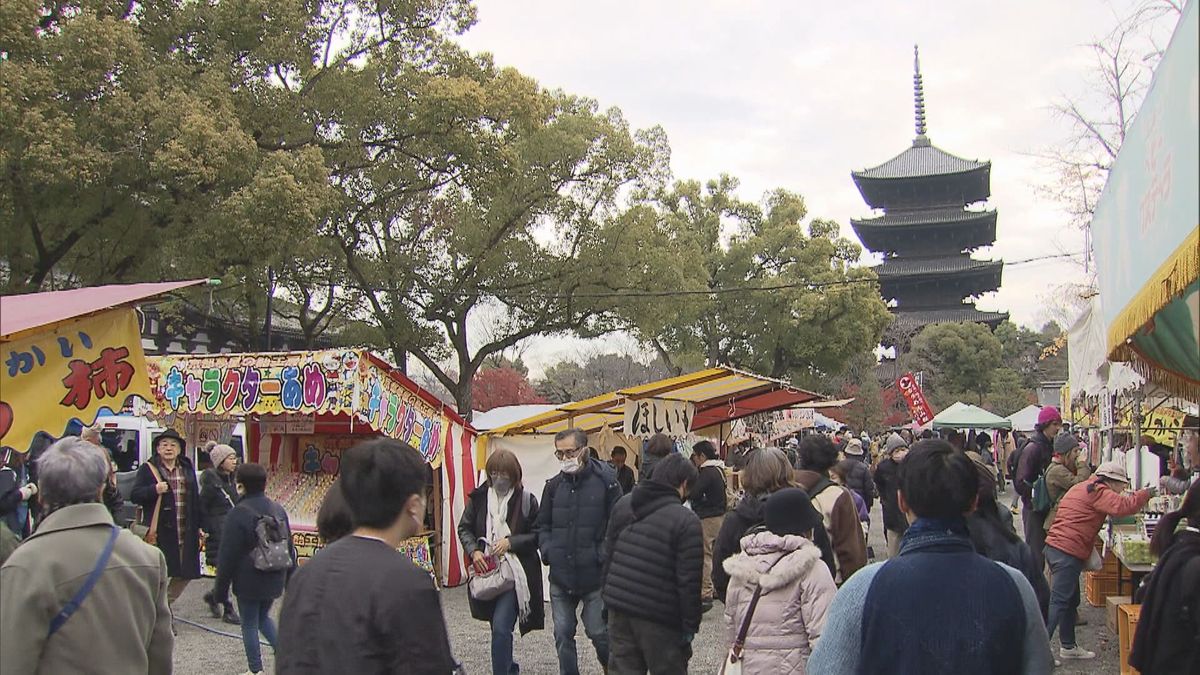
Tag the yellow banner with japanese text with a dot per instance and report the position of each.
(70, 371)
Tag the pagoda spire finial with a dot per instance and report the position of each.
(918, 92)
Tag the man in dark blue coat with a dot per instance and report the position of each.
(572, 522)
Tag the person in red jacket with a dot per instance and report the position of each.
(1072, 538)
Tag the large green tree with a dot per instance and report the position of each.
(762, 286)
(959, 361)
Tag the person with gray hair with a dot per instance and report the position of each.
(78, 558)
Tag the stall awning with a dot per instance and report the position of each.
(20, 313)
(966, 416)
(1146, 228)
(719, 395)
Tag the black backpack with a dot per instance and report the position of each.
(272, 550)
(1014, 460)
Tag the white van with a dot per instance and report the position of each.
(130, 439)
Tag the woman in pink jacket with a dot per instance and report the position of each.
(1072, 538)
(797, 587)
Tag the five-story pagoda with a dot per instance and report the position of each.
(933, 218)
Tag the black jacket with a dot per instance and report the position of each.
(522, 521)
(749, 513)
(217, 496)
(887, 479)
(993, 536)
(1035, 457)
(360, 606)
(860, 480)
(1168, 631)
(657, 549)
(708, 494)
(571, 524)
(625, 478)
(10, 499)
(185, 564)
(239, 539)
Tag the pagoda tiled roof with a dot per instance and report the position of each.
(921, 160)
(915, 318)
(931, 216)
(904, 267)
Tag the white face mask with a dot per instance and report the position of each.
(571, 464)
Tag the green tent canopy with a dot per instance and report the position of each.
(966, 416)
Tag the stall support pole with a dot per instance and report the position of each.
(1137, 437)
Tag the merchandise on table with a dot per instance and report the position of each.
(300, 494)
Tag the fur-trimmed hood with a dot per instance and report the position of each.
(772, 560)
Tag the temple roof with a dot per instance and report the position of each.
(931, 216)
(906, 267)
(921, 160)
(915, 318)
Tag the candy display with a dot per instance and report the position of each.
(300, 493)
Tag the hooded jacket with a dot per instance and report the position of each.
(571, 524)
(1082, 511)
(657, 549)
(796, 593)
(841, 521)
(859, 479)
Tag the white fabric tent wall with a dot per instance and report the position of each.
(1025, 418)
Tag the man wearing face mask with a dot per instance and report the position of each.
(571, 523)
(652, 583)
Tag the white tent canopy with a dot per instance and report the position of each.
(1025, 418)
(1087, 360)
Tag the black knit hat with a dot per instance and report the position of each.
(790, 511)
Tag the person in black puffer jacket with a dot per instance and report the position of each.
(571, 524)
(993, 536)
(218, 494)
(652, 582)
(255, 589)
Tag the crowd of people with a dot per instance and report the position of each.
(638, 552)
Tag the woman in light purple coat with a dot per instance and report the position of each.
(797, 587)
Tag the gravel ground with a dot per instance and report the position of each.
(199, 652)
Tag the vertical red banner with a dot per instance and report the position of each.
(914, 398)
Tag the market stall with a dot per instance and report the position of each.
(1146, 240)
(302, 410)
(69, 356)
(966, 416)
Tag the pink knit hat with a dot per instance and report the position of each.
(1047, 415)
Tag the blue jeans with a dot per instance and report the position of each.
(256, 616)
(563, 605)
(1064, 595)
(504, 620)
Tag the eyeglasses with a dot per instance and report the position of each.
(563, 454)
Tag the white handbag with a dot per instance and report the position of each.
(497, 581)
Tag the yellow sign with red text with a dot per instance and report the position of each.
(70, 371)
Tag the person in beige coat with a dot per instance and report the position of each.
(123, 625)
(1064, 472)
(797, 588)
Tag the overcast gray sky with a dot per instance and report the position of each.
(799, 94)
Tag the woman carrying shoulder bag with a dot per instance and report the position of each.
(218, 494)
(782, 566)
(499, 523)
(169, 495)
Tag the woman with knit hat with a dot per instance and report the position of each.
(218, 494)
(887, 481)
(796, 588)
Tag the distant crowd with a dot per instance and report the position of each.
(636, 553)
